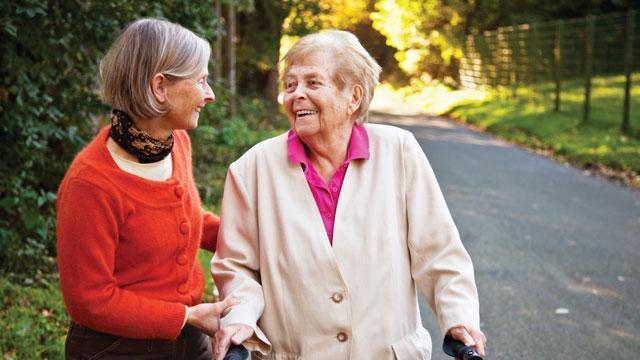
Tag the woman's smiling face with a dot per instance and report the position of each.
(315, 105)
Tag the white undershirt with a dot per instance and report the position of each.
(157, 171)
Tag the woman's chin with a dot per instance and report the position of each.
(305, 127)
(194, 122)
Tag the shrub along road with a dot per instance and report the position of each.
(556, 251)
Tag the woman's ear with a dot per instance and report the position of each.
(356, 99)
(159, 84)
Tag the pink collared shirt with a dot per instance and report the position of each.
(326, 196)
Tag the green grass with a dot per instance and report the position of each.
(205, 261)
(529, 119)
(34, 322)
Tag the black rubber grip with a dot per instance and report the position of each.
(457, 349)
(237, 352)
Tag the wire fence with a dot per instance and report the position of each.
(561, 62)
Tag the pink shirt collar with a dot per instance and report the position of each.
(358, 146)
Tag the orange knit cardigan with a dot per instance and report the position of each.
(127, 246)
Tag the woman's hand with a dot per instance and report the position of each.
(234, 333)
(470, 337)
(206, 316)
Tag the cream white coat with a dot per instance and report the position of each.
(356, 300)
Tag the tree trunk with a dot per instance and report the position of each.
(217, 51)
(231, 48)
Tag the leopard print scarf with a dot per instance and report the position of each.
(137, 142)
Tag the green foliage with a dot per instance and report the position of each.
(425, 34)
(33, 321)
(307, 17)
(46, 102)
(259, 31)
(204, 257)
(49, 108)
(530, 120)
(219, 139)
(429, 34)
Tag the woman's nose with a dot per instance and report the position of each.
(299, 93)
(209, 96)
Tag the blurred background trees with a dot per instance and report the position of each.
(50, 51)
(429, 34)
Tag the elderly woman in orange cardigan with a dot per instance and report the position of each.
(129, 218)
(327, 230)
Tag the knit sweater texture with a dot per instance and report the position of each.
(127, 246)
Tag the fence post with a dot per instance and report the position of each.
(588, 67)
(557, 54)
(515, 53)
(534, 60)
(628, 65)
(493, 45)
(497, 56)
(483, 47)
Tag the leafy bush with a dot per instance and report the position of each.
(219, 139)
(49, 108)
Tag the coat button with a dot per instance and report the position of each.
(184, 228)
(342, 337)
(182, 259)
(179, 191)
(183, 288)
(337, 298)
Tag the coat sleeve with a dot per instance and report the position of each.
(236, 263)
(87, 240)
(440, 265)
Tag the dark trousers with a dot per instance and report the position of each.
(86, 344)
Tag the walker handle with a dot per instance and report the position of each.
(237, 352)
(459, 350)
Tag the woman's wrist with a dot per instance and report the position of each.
(187, 312)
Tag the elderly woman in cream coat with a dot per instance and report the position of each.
(328, 230)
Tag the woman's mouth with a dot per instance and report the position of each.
(303, 113)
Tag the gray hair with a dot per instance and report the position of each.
(354, 65)
(145, 48)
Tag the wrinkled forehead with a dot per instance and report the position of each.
(322, 63)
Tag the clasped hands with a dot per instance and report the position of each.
(206, 316)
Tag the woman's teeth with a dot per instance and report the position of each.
(301, 113)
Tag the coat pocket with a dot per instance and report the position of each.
(416, 346)
(276, 355)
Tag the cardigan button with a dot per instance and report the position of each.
(182, 259)
(183, 288)
(179, 191)
(342, 337)
(337, 298)
(184, 228)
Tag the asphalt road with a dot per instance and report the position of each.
(556, 251)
